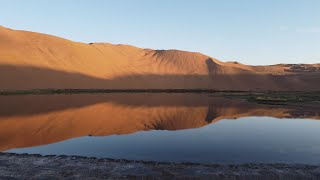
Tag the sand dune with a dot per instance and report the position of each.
(54, 118)
(31, 60)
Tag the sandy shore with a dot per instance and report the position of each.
(14, 166)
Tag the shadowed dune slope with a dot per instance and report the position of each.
(31, 60)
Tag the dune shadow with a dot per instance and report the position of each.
(26, 77)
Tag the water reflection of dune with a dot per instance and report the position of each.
(27, 121)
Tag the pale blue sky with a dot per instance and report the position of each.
(248, 31)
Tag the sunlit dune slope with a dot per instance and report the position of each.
(31, 60)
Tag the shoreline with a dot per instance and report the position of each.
(98, 91)
(26, 166)
(104, 91)
(278, 98)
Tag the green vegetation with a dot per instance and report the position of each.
(277, 97)
(267, 97)
(96, 91)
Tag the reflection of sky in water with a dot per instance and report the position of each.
(260, 139)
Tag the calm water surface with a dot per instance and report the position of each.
(159, 127)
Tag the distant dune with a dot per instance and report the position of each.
(31, 60)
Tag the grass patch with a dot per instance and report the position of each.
(100, 91)
(267, 97)
(277, 98)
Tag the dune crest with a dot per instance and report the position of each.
(38, 61)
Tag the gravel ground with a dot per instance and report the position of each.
(15, 166)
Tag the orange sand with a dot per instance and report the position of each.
(31, 60)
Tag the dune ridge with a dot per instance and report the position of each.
(32, 60)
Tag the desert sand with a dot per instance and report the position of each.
(31, 60)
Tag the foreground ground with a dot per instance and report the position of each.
(13, 166)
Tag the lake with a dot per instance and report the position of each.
(202, 128)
